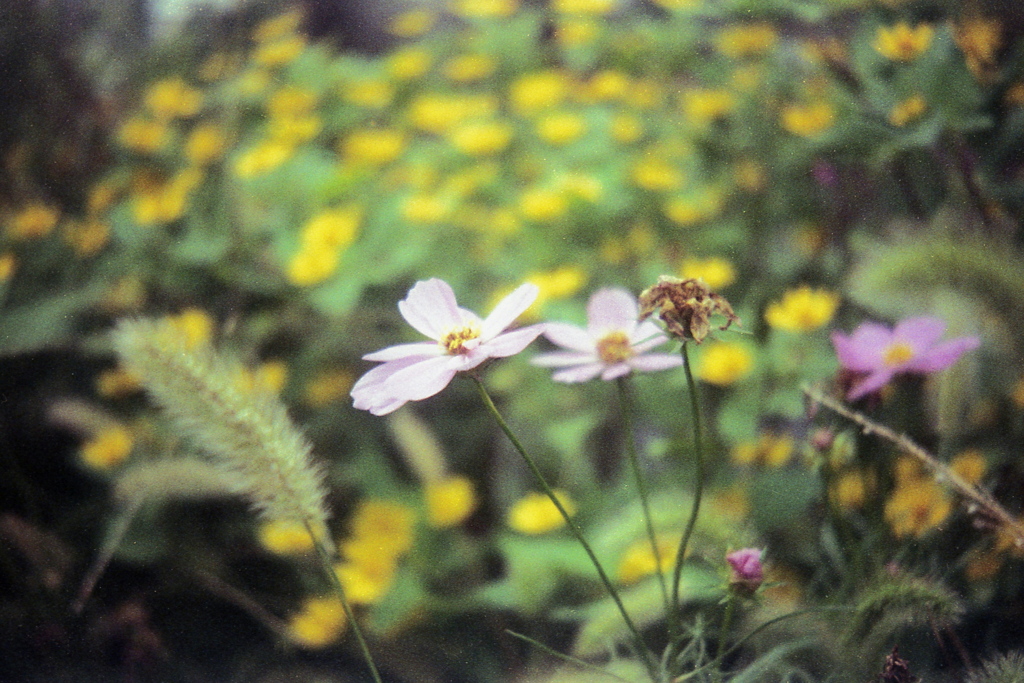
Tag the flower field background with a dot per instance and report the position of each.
(842, 181)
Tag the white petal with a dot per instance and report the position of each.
(507, 310)
(420, 380)
(615, 371)
(581, 373)
(558, 359)
(652, 362)
(416, 349)
(510, 343)
(611, 309)
(570, 337)
(430, 308)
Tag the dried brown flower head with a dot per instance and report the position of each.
(686, 307)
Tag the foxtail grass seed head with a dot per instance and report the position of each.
(248, 433)
(686, 307)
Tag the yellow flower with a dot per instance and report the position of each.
(626, 128)
(34, 221)
(639, 561)
(538, 90)
(172, 98)
(436, 113)
(560, 283)
(205, 143)
(901, 43)
(701, 106)
(409, 63)
(850, 489)
(270, 377)
(285, 537)
(907, 111)
(541, 204)
(561, 128)
(656, 174)
(254, 81)
(582, 186)
(535, 514)
(294, 130)
(676, 4)
(374, 146)
(770, 450)
(373, 93)
(290, 102)
(165, 202)
(483, 9)
(425, 209)
(117, 382)
(196, 326)
(468, 68)
(412, 23)
(87, 237)
(724, 363)
(802, 309)
(808, 120)
(969, 466)
(263, 158)
(750, 175)
(279, 52)
(327, 386)
(8, 264)
(690, 209)
(576, 31)
(143, 135)
(449, 501)
(321, 242)
(917, 507)
(101, 197)
(320, 622)
(584, 6)
(386, 525)
(367, 579)
(312, 265)
(481, 138)
(980, 40)
(608, 85)
(278, 26)
(107, 448)
(746, 40)
(717, 272)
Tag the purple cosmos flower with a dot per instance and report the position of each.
(913, 345)
(747, 570)
(462, 341)
(614, 343)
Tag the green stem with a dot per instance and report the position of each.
(324, 553)
(642, 650)
(626, 403)
(723, 634)
(698, 492)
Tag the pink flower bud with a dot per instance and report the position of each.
(747, 570)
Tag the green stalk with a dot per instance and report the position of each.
(698, 492)
(723, 634)
(324, 554)
(649, 663)
(626, 403)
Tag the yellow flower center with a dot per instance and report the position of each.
(897, 354)
(454, 342)
(614, 347)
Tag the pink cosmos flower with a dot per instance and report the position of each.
(747, 570)
(614, 344)
(462, 341)
(879, 353)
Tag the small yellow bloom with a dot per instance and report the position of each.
(701, 106)
(269, 377)
(907, 111)
(802, 309)
(279, 52)
(87, 237)
(327, 386)
(409, 63)
(312, 265)
(34, 221)
(693, 208)
(808, 120)
(656, 174)
(107, 448)
(903, 43)
(542, 204)
(969, 466)
(285, 537)
(117, 382)
(369, 579)
(372, 93)
(172, 98)
(263, 158)
(770, 450)
(279, 26)
(425, 209)
(437, 113)
(717, 272)
(164, 202)
(850, 490)
(538, 90)
(560, 283)
(412, 23)
(143, 135)
(291, 102)
(724, 363)
(387, 525)
(535, 514)
(750, 175)
(561, 128)
(320, 622)
(590, 7)
(576, 31)
(746, 40)
(483, 9)
(374, 146)
(8, 264)
(639, 560)
(469, 68)
(980, 40)
(206, 143)
(481, 138)
(917, 507)
(449, 501)
(608, 85)
(195, 325)
(626, 128)
(677, 4)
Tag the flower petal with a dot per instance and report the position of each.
(421, 379)
(510, 343)
(615, 371)
(870, 384)
(653, 362)
(921, 333)
(570, 337)
(430, 308)
(580, 373)
(644, 332)
(507, 310)
(415, 349)
(942, 356)
(558, 359)
(611, 309)
(863, 350)
(369, 392)
(645, 346)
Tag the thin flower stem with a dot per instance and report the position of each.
(566, 658)
(626, 403)
(698, 491)
(574, 528)
(723, 634)
(324, 553)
